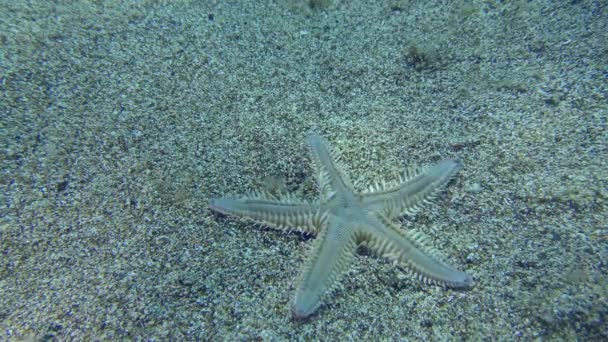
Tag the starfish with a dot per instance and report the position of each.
(345, 220)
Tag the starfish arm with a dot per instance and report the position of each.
(328, 167)
(408, 250)
(412, 191)
(305, 217)
(330, 257)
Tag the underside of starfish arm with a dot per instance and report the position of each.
(409, 250)
(284, 215)
(330, 257)
(412, 191)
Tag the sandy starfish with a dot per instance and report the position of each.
(345, 220)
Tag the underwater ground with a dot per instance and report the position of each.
(120, 120)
